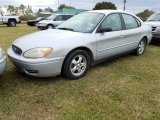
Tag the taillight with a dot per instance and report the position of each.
(19, 18)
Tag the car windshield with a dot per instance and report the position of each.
(84, 22)
(51, 17)
(39, 18)
(154, 17)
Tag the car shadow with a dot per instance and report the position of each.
(155, 41)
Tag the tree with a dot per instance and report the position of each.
(1, 11)
(16, 10)
(48, 9)
(145, 14)
(28, 10)
(22, 9)
(10, 9)
(104, 5)
(65, 6)
(40, 10)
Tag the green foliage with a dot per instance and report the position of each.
(104, 5)
(145, 14)
(22, 9)
(25, 18)
(48, 10)
(65, 6)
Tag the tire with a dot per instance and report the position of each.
(12, 23)
(141, 47)
(76, 65)
(50, 26)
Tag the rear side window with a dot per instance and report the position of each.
(130, 21)
(66, 17)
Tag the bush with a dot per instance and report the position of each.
(25, 18)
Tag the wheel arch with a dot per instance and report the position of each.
(12, 19)
(145, 37)
(81, 48)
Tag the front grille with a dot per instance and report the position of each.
(16, 49)
(154, 28)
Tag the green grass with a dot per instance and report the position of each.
(126, 88)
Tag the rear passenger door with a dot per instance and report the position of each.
(132, 31)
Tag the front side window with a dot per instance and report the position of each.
(59, 18)
(130, 21)
(113, 21)
(66, 17)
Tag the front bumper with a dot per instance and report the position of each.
(3, 64)
(42, 27)
(42, 67)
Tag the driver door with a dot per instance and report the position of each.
(111, 43)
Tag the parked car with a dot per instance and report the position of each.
(3, 62)
(10, 21)
(82, 41)
(34, 22)
(53, 21)
(154, 21)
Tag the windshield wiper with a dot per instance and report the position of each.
(66, 29)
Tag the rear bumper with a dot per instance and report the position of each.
(42, 27)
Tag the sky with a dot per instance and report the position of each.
(134, 6)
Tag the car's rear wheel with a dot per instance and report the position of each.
(141, 47)
(76, 65)
(12, 23)
(50, 26)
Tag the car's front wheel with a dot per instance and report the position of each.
(50, 26)
(76, 65)
(141, 47)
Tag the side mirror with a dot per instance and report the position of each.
(106, 29)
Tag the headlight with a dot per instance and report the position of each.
(37, 52)
(158, 29)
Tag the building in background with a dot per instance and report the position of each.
(69, 11)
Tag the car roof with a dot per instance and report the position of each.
(109, 11)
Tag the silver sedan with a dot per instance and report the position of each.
(82, 41)
(3, 62)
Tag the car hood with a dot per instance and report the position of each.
(46, 38)
(46, 21)
(153, 23)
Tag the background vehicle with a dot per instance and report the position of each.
(3, 62)
(82, 41)
(53, 21)
(34, 22)
(10, 21)
(154, 21)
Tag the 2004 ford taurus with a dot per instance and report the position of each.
(80, 42)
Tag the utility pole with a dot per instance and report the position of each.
(124, 5)
(58, 3)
